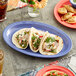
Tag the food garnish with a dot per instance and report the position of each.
(50, 38)
(55, 73)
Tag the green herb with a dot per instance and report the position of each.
(53, 51)
(52, 72)
(38, 40)
(24, 33)
(25, 1)
(65, 75)
(23, 43)
(50, 38)
(17, 37)
(37, 43)
(34, 37)
(74, 1)
(31, 2)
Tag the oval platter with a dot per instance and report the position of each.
(12, 28)
(58, 17)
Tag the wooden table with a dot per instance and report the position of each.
(16, 63)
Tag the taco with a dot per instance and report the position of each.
(35, 39)
(21, 37)
(51, 45)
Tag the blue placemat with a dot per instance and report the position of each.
(34, 71)
(62, 62)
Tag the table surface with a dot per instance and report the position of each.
(16, 63)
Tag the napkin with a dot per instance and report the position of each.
(72, 63)
(13, 4)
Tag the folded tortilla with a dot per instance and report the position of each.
(35, 39)
(20, 38)
(51, 45)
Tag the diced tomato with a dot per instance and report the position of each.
(44, 65)
(31, 5)
(20, 7)
(48, 74)
(60, 74)
(53, 74)
(40, 36)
